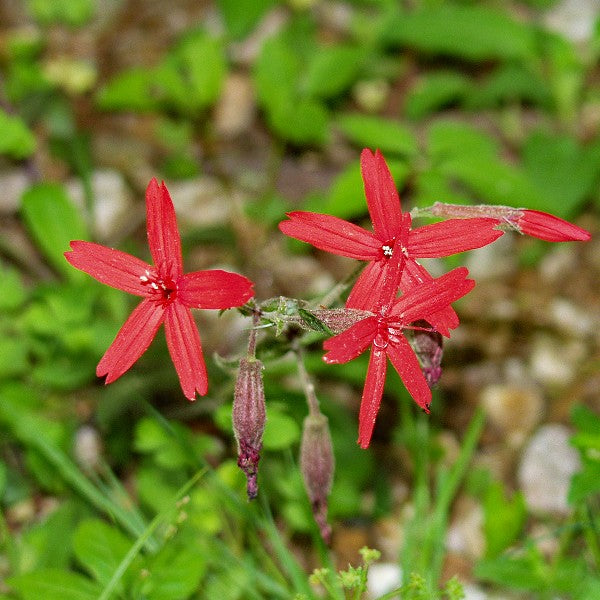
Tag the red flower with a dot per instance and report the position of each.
(392, 228)
(535, 223)
(548, 227)
(168, 294)
(384, 333)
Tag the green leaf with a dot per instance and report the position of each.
(13, 356)
(503, 519)
(241, 16)
(176, 571)
(276, 73)
(129, 90)
(313, 322)
(53, 222)
(509, 83)
(191, 76)
(469, 31)
(495, 182)
(375, 132)
(99, 548)
(281, 431)
(434, 91)
(301, 122)
(54, 584)
(16, 140)
(454, 139)
(69, 12)
(332, 70)
(564, 172)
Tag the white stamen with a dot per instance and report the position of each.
(387, 250)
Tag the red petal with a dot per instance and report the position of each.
(350, 343)
(110, 266)
(213, 289)
(163, 236)
(452, 236)
(413, 275)
(332, 234)
(382, 195)
(406, 363)
(371, 397)
(184, 345)
(132, 340)
(432, 296)
(550, 228)
(361, 296)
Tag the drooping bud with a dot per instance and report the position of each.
(317, 465)
(429, 348)
(249, 416)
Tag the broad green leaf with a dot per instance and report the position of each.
(376, 132)
(16, 140)
(176, 571)
(495, 182)
(129, 90)
(54, 584)
(432, 186)
(454, 139)
(281, 431)
(191, 76)
(69, 12)
(241, 16)
(434, 91)
(13, 291)
(276, 73)
(99, 548)
(331, 70)
(509, 83)
(301, 122)
(562, 170)
(467, 31)
(53, 221)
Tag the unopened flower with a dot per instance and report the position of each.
(168, 294)
(249, 416)
(317, 466)
(535, 223)
(429, 348)
(384, 333)
(391, 233)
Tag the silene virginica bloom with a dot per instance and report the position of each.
(391, 232)
(168, 294)
(534, 223)
(384, 334)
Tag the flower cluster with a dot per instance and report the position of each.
(393, 296)
(392, 250)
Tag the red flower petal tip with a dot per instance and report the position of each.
(550, 228)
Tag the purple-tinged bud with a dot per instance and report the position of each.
(429, 348)
(317, 465)
(249, 416)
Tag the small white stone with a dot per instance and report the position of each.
(88, 447)
(235, 110)
(201, 201)
(383, 578)
(546, 468)
(575, 19)
(553, 362)
(13, 184)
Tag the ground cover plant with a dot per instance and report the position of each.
(248, 158)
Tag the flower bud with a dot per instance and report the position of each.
(249, 416)
(340, 319)
(317, 465)
(428, 346)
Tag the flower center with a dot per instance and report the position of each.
(387, 249)
(163, 291)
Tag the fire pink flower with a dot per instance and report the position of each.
(384, 333)
(535, 223)
(168, 294)
(391, 229)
